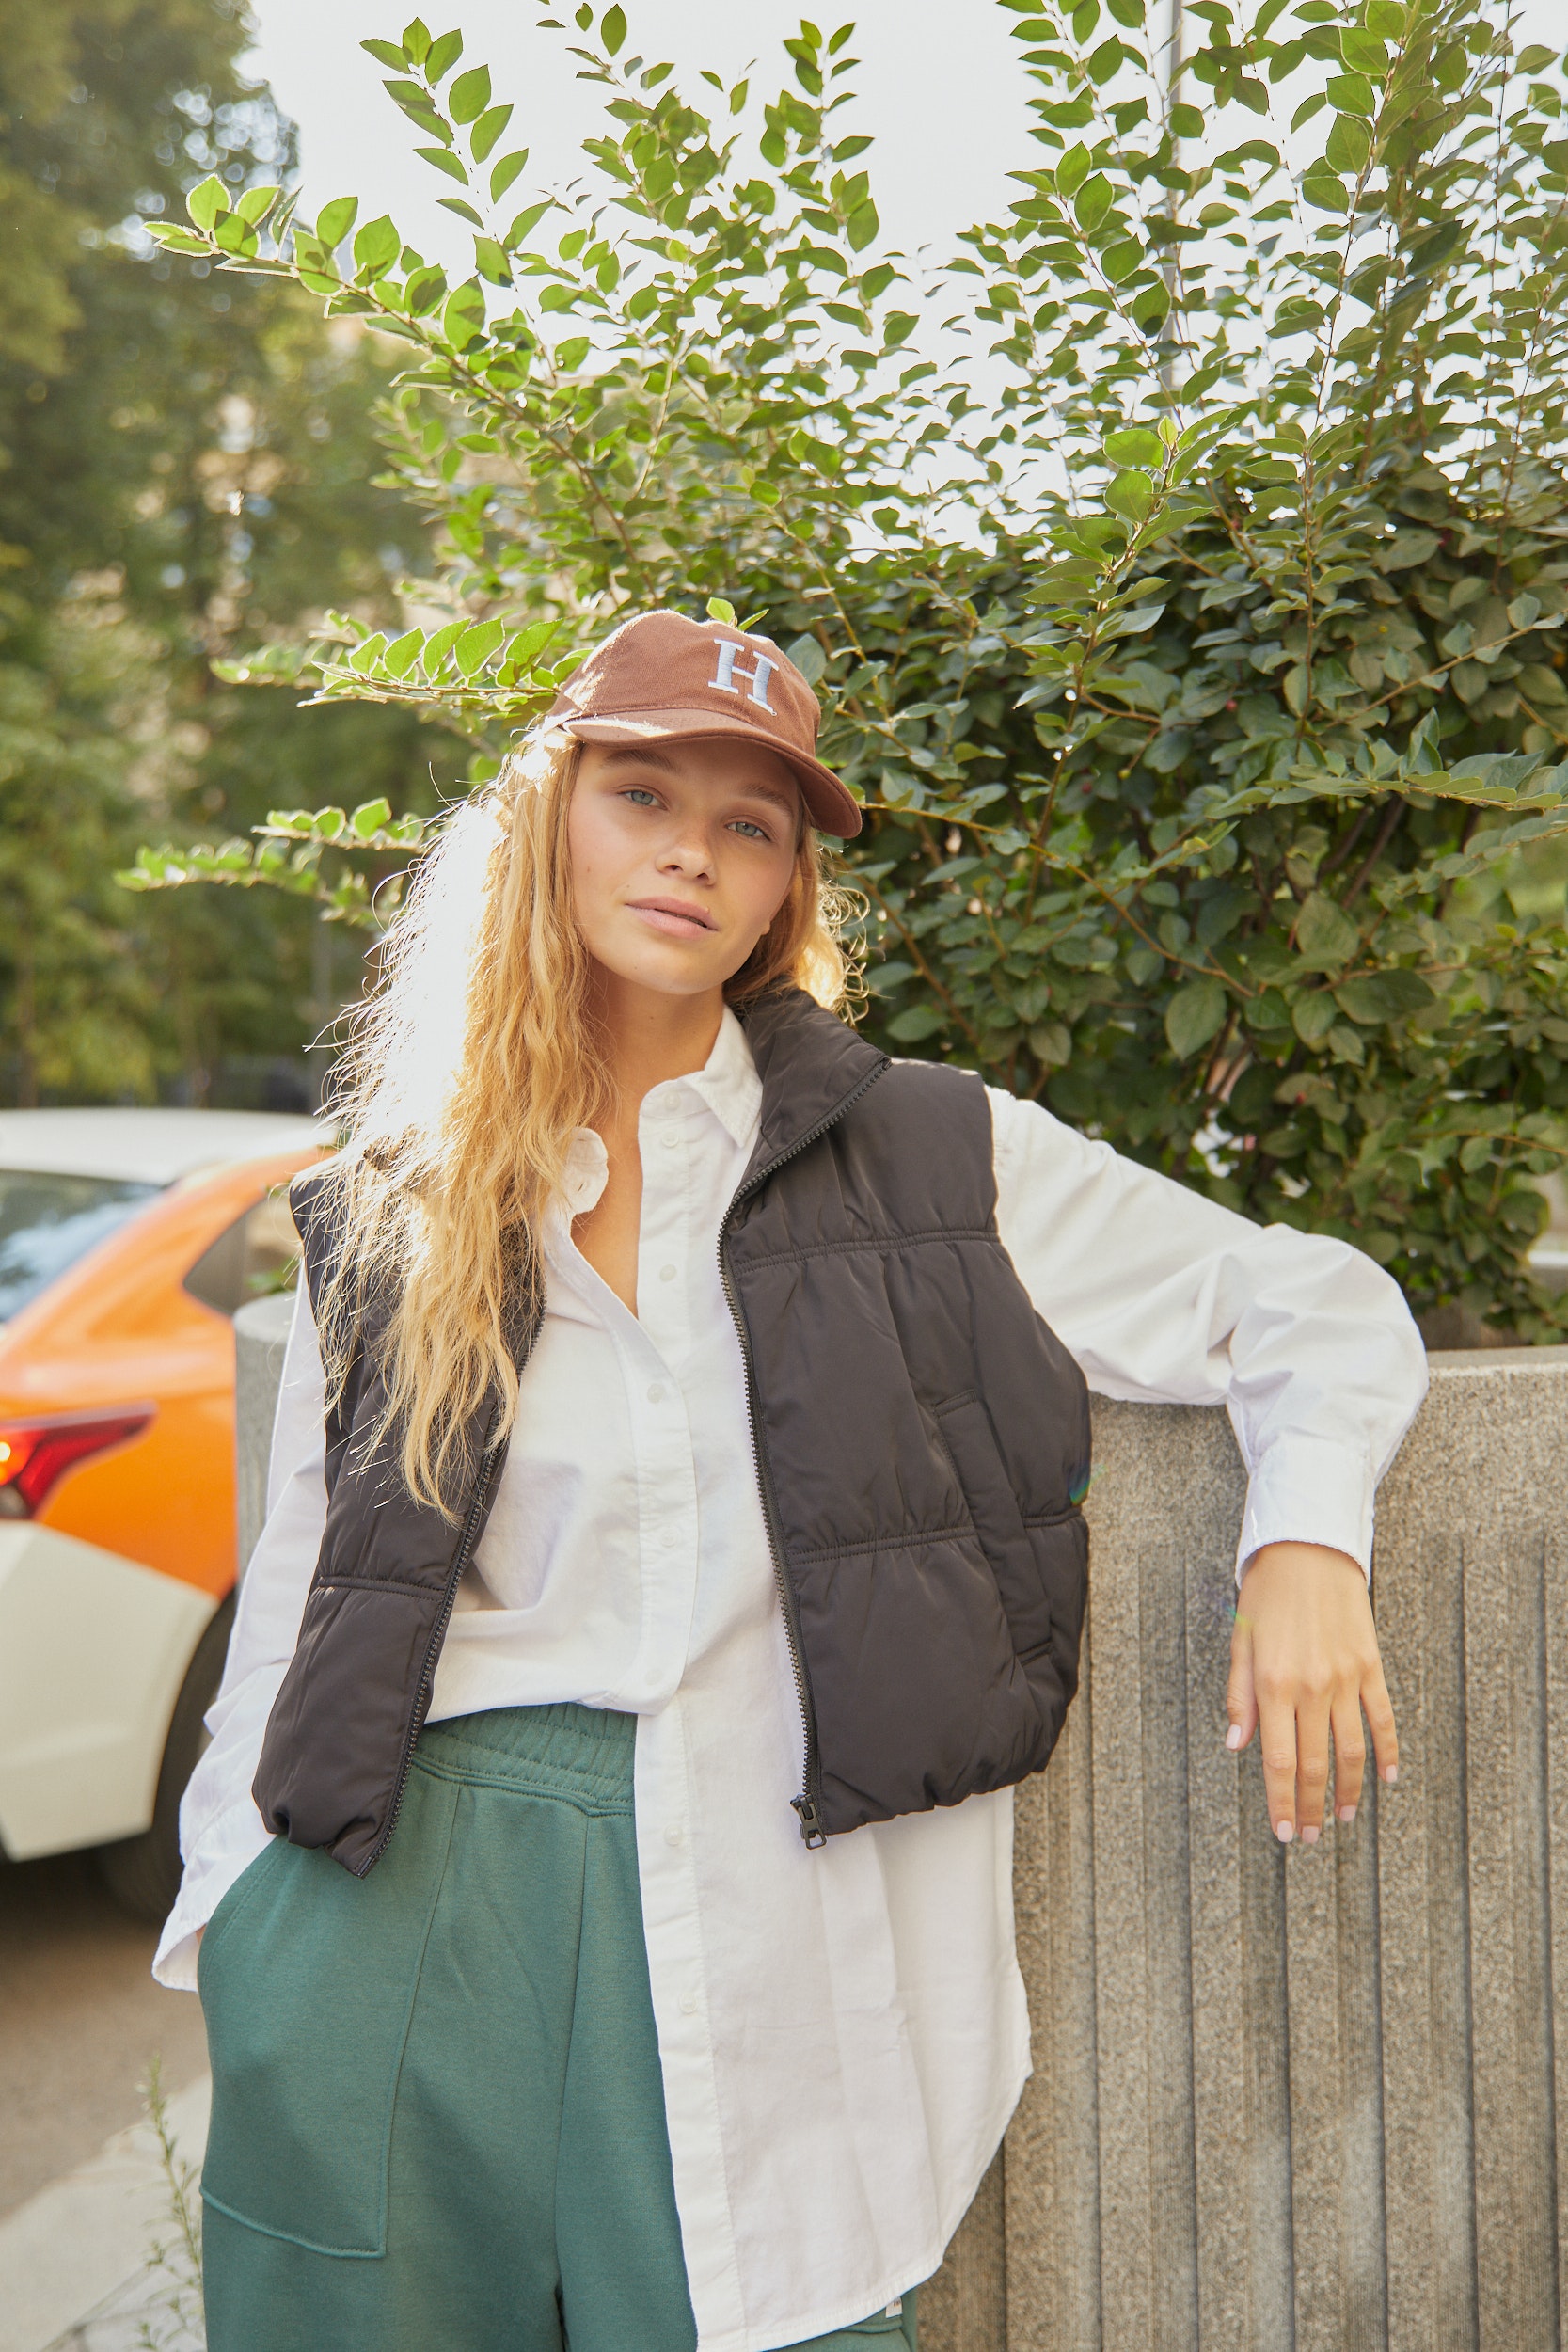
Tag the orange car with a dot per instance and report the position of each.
(127, 1240)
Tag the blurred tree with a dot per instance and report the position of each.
(185, 461)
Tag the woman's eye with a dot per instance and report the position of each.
(753, 833)
(641, 795)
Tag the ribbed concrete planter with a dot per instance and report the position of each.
(1302, 2099)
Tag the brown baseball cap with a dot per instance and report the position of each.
(664, 675)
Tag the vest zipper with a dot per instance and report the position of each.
(433, 1649)
(808, 1804)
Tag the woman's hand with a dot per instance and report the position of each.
(1304, 1659)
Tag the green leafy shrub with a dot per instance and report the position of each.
(1188, 611)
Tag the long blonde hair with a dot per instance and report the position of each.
(466, 1072)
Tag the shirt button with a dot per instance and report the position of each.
(688, 2003)
(669, 1539)
(669, 1139)
(666, 1273)
(656, 1392)
(675, 1837)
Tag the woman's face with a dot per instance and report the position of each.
(682, 854)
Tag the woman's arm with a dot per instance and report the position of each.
(221, 1831)
(1164, 1296)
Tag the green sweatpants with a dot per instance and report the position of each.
(437, 2115)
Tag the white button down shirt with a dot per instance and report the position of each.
(843, 2033)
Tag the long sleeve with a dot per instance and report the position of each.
(221, 1831)
(1164, 1296)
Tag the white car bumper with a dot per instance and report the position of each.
(93, 1651)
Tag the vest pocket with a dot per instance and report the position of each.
(308, 1977)
(971, 1442)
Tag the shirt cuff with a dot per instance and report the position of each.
(226, 1852)
(1311, 1490)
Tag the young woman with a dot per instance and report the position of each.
(675, 1560)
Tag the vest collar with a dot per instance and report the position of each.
(810, 1064)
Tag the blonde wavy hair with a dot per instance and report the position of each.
(466, 1070)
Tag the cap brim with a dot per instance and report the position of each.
(831, 807)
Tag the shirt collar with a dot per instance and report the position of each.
(728, 1082)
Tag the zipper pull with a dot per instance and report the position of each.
(810, 1821)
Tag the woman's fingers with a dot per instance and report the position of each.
(1240, 1703)
(1350, 1754)
(1277, 1715)
(1380, 1715)
(1312, 1708)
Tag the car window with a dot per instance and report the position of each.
(48, 1222)
(258, 1252)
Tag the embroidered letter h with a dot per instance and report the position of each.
(759, 675)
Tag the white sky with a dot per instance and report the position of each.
(943, 98)
(942, 93)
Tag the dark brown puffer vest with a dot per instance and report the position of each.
(922, 1442)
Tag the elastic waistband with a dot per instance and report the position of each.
(583, 1754)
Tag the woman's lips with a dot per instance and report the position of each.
(674, 920)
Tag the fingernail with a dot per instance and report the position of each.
(1233, 1737)
(1284, 1832)
(1309, 1834)
(1346, 1814)
(1391, 1775)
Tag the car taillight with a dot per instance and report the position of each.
(36, 1454)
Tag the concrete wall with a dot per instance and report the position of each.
(1299, 2097)
(1285, 2100)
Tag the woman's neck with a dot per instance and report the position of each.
(650, 1035)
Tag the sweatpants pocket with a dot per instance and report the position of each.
(307, 1984)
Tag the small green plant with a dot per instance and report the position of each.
(176, 2322)
(1188, 611)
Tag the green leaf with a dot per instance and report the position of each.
(491, 261)
(236, 235)
(1135, 446)
(442, 159)
(1092, 201)
(613, 29)
(920, 1020)
(1325, 937)
(527, 220)
(1348, 147)
(256, 203)
(334, 220)
(1353, 94)
(1194, 1015)
(1375, 996)
(486, 131)
(371, 816)
(1186, 123)
(1364, 53)
(443, 55)
(174, 239)
(386, 53)
(469, 94)
(416, 42)
(808, 657)
(376, 247)
(720, 608)
(205, 203)
(505, 172)
(402, 653)
(1312, 1017)
(1074, 169)
(863, 225)
(475, 647)
(1130, 495)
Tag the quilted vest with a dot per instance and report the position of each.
(922, 1442)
